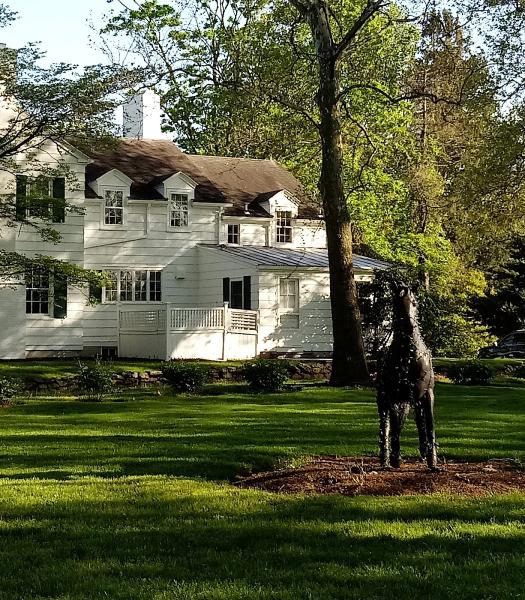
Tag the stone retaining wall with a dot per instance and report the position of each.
(301, 371)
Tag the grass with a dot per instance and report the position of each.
(130, 499)
(53, 367)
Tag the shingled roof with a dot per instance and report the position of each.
(219, 179)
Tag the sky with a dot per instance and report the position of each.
(62, 27)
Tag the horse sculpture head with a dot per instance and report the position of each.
(405, 308)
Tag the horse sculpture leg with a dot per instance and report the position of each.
(398, 414)
(419, 413)
(384, 437)
(431, 454)
(424, 411)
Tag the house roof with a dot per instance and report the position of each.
(219, 179)
(264, 256)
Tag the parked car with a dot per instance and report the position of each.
(510, 346)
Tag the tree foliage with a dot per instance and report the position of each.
(503, 307)
(41, 105)
(429, 108)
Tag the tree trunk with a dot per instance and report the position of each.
(349, 362)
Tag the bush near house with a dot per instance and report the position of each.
(266, 375)
(8, 388)
(185, 376)
(94, 380)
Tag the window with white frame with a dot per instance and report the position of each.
(126, 286)
(40, 197)
(284, 225)
(179, 210)
(154, 286)
(133, 286)
(289, 302)
(111, 289)
(113, 207)
(37, 292)
(234, 233)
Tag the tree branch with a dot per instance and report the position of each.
(372, 7)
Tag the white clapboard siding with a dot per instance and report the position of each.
(213, 267)
(314, 332)
(252, 234)
(99, 325)
(12, 322)
(43, 332)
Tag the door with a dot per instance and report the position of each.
(236, 294)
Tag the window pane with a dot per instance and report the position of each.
(37, 292)
(154, 286)
(39, 194)
(111, 288)
(179, 207)
(141, 282)
(284, 225)
(236, 295)
(126, 286)
(113, 207)
(288, 294)
(133, 286)
(234, 234)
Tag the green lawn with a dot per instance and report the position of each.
(131, 499)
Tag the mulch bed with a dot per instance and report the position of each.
(362, 476)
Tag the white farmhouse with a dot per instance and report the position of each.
(209, 257)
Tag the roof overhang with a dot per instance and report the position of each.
(267, 258)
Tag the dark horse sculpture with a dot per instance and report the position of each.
(406, 379)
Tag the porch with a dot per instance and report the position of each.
(164, 332)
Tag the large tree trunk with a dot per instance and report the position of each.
(349, 362)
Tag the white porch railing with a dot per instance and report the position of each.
(209, 333)
(243, 320)
(196, 318)
(150, 321)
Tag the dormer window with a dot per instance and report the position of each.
(234, 234)
(179, 210)
(284, 225)
(113, 207)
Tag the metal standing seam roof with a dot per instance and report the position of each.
(263, 256)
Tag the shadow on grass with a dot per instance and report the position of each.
(217, 437)
(176, 539)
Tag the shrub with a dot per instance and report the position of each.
(473, 372)
(516, 370)
(266, 375)
(8, 389)
(95, 380)
(185, 376)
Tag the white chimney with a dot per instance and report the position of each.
(142, 117)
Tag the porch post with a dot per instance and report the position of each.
(167, 348)
(256, 334)
(225, 327)
(118, 329)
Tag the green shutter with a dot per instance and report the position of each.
(247, 292)
(60, 297)
(21, 194)
(59, 204)
(226, 289)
